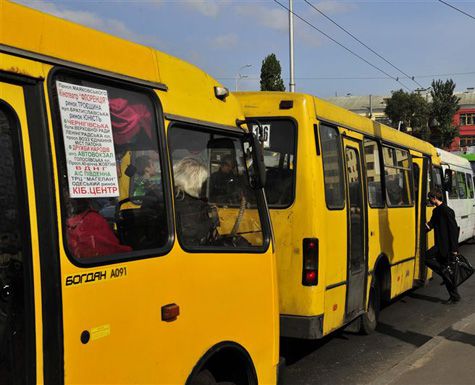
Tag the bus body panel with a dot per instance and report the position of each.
(112, 325)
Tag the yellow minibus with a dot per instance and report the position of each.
(119, 263)
(347, 197)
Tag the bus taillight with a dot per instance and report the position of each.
(310, 262)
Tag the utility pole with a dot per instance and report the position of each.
(291, 46)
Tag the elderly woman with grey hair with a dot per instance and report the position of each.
(194, 223)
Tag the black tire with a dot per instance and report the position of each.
(204, 378)
(369, 319)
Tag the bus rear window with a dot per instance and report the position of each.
(279, 138)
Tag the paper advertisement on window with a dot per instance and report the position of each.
(88, 141)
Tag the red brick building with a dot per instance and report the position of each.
(465, 118)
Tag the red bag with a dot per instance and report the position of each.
(89, 235)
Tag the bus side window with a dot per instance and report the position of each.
(332, 167)
(469, 185)
(215, 207)
(373, 173)
(113, 192)
(453, 193)
(398, 177)
(461, 187)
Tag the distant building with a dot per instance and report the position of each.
(465, 118)
(372, 106)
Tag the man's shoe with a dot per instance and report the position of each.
(452, 301)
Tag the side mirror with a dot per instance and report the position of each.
(254, 158)
(448, 180)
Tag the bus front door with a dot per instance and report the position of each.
(17, 347)
(356, 219)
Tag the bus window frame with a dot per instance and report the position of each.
(264, 215)
(381, 169)
(410, 169)
(342, 163)
(264, 120)
(60, 161)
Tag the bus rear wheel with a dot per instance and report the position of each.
(369, 319)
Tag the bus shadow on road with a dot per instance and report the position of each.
(413, 338)
(424, 297)
(294, 349)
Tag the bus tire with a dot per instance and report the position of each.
(204, 378)
(369, 319)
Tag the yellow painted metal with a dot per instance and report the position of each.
(222, 296)
(390, 232)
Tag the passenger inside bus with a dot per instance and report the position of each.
(194, 220)
(89, 234)
(224, 182)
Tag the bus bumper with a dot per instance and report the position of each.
(306, 327)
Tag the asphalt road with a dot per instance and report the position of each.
(406, 324)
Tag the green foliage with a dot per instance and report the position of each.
(271, 79)
(429, 121)
(443, 108)
(409, 110)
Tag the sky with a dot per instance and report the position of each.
(230, 38)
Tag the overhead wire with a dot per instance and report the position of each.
(363, 44)
(457, 9)
(343, 46)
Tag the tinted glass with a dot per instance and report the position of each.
(469, 185)
(453, 193)
(279, 157)
(214, 205)
(461, 186)
(113, 191)
(373, 173)
(332, 167)
(398, 177)
(12, 306)
(356, 208)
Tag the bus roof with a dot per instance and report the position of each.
(267, 104)
(453, 159)
(32, 34)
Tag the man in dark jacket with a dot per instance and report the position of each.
(446, 233)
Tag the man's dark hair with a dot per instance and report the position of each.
(436, 193)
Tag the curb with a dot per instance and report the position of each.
(413, 360)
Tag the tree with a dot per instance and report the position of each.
(409, 110)
(443, 108)
(271, 79)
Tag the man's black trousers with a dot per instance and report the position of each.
(437, 263)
